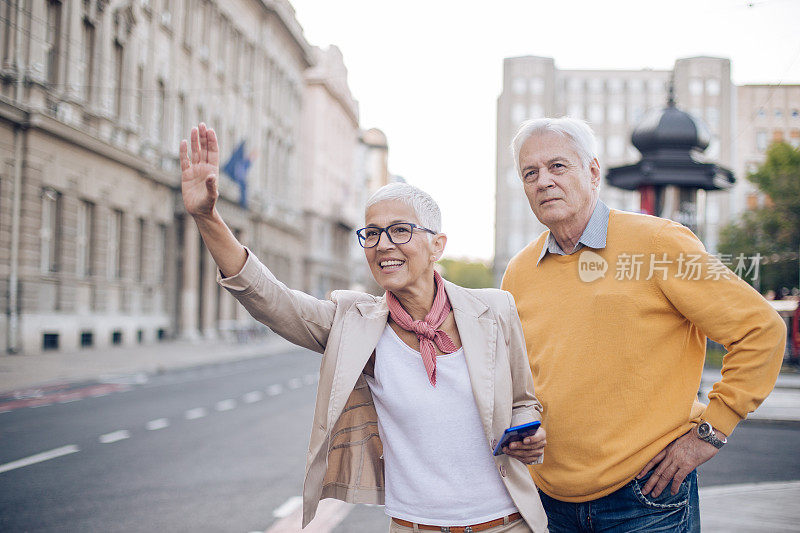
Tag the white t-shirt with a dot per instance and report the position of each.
(438, 463)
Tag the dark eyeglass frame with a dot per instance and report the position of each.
(362, 239)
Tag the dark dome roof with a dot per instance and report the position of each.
(670, 127)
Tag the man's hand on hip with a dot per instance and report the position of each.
(676, 461)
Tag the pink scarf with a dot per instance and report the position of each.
(426, 329)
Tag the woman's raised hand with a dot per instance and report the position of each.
(199, 174)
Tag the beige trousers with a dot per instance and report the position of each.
(514, 527)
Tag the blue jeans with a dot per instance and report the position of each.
(627, 510)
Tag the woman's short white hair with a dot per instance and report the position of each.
(424, 206)
(576, 131)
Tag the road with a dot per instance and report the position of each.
(219, 448)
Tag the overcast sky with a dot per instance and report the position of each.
(428, 72)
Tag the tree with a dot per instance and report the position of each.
(774, 229)
(471, 274)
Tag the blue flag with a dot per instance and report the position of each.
(237, 167)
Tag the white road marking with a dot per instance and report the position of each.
(329, 514)
(158, 423)
(274, 390)
(225, 405)
(69, 400)
(252, 397)
(288, 507)
(40, 405)
(310, 379)
(114, 436)
(197, 412)
(39, 457)
(294, 383)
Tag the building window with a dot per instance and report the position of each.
(187, 21)
(615, 85)
(761, 141)
(761, 113)
(795, 113)
(160, 116)
(655, 86)
(161, 252)
(778, 113)
(712, 86)
(115, 244)
(575, 110)
(595, 85)
(119, 77)
(712, 117)
(517, 114)
(53, 40)
(87, 61)
(574, 85)
(85, 239)
(537, 85)
(116, 337)
(519, 85)
(140, 248)
(616, 113)
(140, 95)
(615, 146)
(87, 339)
(596, 114)
(636, 86)
(51, 230)
(535, 111)
(50, 341)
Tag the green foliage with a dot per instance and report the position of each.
(772, 230)
(470, 274)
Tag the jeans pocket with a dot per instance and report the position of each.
(665, 500)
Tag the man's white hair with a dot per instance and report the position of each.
(574, 130)
(424, 206)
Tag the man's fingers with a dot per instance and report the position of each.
(184, 155)
(195, 137)
(677, 479)
(653, 462)
(213, 148)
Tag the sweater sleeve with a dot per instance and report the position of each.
(728, 311)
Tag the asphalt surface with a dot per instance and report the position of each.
(220, 448)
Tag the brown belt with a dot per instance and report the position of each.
(463, 529)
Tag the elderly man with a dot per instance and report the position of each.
(616, 308)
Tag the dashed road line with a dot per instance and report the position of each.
(225, 405)
(294, 383)
(39, 457)
(274, 390)
(158, 423)
(288, 507)
(114, 436)
(197, 412)
(253, 397)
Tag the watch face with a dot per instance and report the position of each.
(704, 429)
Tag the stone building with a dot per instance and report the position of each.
(331, 186)
(95, 95)
(764, 114)
(612, 102)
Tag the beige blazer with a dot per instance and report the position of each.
(345, 454)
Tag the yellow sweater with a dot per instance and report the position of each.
(617, 361)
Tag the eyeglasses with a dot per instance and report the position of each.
(399, 233)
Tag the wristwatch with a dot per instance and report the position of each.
(705, 432)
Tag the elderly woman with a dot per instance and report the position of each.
(415, 386)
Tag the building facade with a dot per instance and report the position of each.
(612, 102)
(95, 248)
(331, 185)
(764, 114)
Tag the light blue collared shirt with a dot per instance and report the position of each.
(594, 236)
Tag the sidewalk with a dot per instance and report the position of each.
(25, 371)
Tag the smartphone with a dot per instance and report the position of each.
(516, 433)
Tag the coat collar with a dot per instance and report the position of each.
(460, 299)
